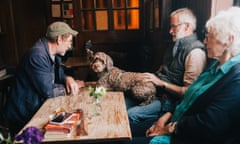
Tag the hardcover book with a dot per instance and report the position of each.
(62, 125)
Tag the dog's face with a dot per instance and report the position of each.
(98, 66)
(101, 62)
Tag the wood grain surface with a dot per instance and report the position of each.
(110, 125)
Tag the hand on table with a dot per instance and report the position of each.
(71, 86)
(80, 83)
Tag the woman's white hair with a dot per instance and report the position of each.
(186, 16)
(225, 24)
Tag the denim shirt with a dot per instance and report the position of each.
(37, 77)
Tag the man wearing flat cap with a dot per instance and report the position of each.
(40, 76)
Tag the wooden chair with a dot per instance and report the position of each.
(6, 82)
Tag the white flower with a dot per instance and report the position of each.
(97, 92)
(100, 90)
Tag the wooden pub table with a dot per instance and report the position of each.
(109, 126)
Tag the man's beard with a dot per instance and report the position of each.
(180, 34)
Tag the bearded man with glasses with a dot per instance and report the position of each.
(182, 64)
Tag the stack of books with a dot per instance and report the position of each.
(62, 125)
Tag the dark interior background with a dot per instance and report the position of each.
(23, 22)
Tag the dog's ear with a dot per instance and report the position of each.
(109, 62)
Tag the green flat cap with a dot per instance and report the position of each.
(59, 28)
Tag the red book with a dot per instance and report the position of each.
(65, 126)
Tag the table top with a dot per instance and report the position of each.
(76, 62)
(111, 124)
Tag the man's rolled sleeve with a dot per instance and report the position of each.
(194, 65)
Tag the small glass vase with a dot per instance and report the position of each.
(97, 106)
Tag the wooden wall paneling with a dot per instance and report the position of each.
(30, 23)
(162, 38)
(146, 48)
(22, 22)
(157, 44)
(202, 10)
(166, 9)
(9, 49)
(2, 49)
(155, 40)
(79, 44)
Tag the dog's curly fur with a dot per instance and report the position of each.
(114, 78)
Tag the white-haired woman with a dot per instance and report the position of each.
(208, 114)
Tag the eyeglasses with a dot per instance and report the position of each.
(174, 26)
(209, 36)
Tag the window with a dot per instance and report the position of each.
(97, 15)
(107, 15)
(153, 17)
(62, 10)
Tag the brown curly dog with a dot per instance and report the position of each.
(114, 78)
